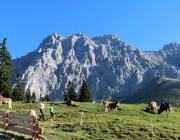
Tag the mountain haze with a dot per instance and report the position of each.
(109, 66)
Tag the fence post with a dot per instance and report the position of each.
(152, 128)
(37, 130)
(81, 119)
(6, 120)
(34, 129)
(41, 137)
(40, 131)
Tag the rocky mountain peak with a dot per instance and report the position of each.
(171, 47)
(50, 41)
(109, 66)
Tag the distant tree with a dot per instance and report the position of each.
(33, 96)
(18, 93)
(41, 98)
(85, 94)
(28, 94)
(66, 97)
(70, 93)
(6, 70)
(47, 98)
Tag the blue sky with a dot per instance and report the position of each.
(147, 25)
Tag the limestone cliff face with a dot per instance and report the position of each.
(109, 66)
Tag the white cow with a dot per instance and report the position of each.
(152, 106)
(32, 113)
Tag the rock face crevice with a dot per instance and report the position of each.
(109, 66)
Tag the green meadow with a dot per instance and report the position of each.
(86, 121)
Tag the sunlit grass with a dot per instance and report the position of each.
(130, 122)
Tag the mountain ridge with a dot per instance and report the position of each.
(109, 66)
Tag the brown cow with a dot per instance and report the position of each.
(4, 100)
(112, 105)
(152, 106)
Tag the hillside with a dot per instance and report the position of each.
(131, 122)
(159, 90)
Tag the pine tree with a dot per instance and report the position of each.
(18, 90)
(41, 98)
(85, 94)
(47, 98)
(70, 93)
(6, 71)
(33, 96)
(28, 95)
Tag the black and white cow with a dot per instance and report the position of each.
(165, 107)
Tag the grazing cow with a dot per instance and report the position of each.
(152, 106)
(32, 113)
(4, 100)
(165, 107)
(112, 105)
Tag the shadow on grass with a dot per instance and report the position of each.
(10, 136)
(150, 112)
(70, 103)
(82, 110)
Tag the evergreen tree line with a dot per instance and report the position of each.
(17, 93)
(85, 94)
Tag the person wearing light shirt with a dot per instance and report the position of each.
(42, 109)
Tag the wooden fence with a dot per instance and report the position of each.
(22, 124)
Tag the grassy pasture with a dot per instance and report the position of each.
(131, 122)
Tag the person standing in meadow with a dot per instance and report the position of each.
(51, 109)
(42, 109)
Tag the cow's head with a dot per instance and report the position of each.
(117, 103)
(105, 103)
(148, 109)
(159, 111)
